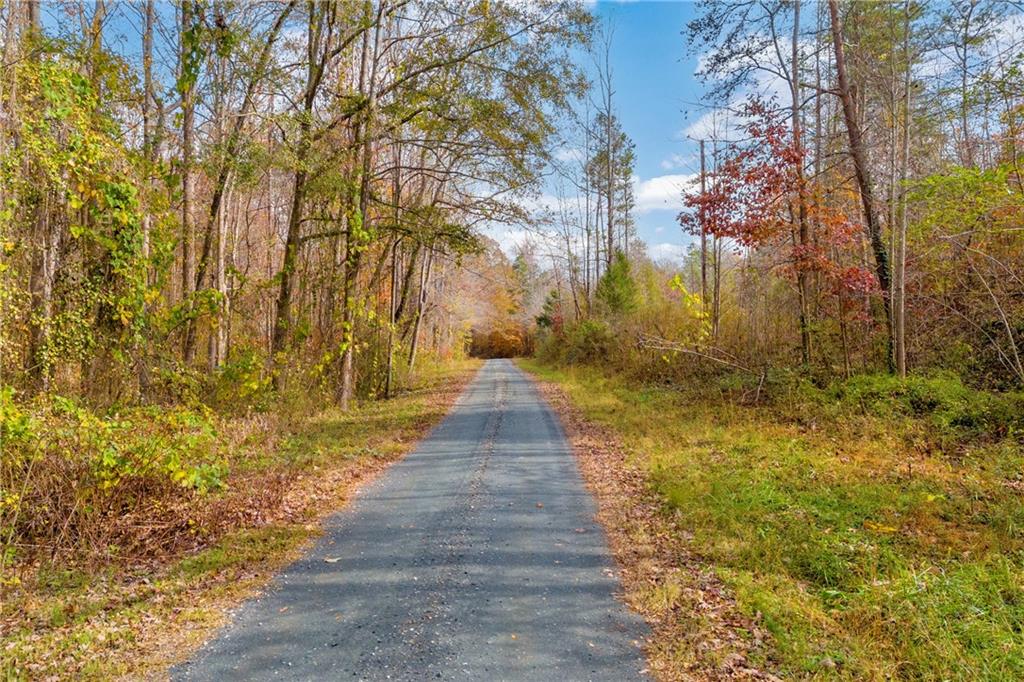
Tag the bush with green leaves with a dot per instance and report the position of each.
(943, 400)
(77, 481)
(242, 384)
(588, 342)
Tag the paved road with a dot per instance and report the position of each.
(474, 558)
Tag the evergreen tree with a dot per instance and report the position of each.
(616, 288)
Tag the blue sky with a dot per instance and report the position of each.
(658, 99)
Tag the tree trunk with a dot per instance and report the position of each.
(410, 270)
(702, 219)
(393, 281)
(863, 173)
(35, 22)
(44, 261)
(270, 313)
(217, 230)
(219, 333)
(716, 257)
(148, 143)
(149, 156)
(293, 241)
(396, 195)
(420, 304)
(609, 221)
(187, 190)
(802, 228)
(41, 285)
(283, 316)
(235, 138)
(716, 313)
(963, 52)
(588, 278)
(353, 241)
(901, 253)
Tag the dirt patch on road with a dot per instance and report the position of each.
(698, 631)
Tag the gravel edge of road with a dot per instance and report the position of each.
(695, 623)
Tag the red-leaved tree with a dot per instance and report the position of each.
(754, 200)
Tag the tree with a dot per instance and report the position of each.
(748, 43)
(616, 288)
(863, 173)
(303, 175)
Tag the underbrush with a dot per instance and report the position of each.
(875, 527)
(107, 515)
(943, 402)
(77, 483)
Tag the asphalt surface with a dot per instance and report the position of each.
(474, 558)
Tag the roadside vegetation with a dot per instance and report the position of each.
(872, 528)
(137, 529)
(244, 251)
(240, 261)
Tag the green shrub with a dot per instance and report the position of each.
(616, 289)
(941, 399)
(15, 424)
(241, 384)
(588, 341)
(73, 479)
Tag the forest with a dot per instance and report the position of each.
(251, 252)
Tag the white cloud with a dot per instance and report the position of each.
(664, 192)
(565, 154)
(717, 124)
(509, 238)
(723, 123)
(676, 161)
(666, 252)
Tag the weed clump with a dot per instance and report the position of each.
(943, 401)
(75, 481)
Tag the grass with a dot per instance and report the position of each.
(67, 621)
(875, 530)
(100, 625)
